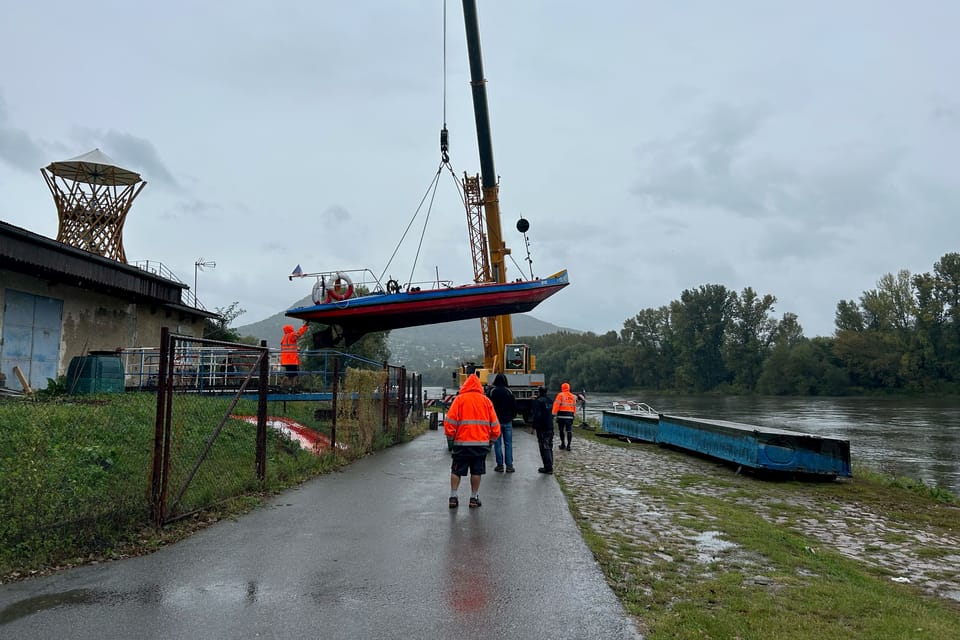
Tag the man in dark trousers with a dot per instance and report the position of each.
(506, 407)
(541, 414)
(565, 410)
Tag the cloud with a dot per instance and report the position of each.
(129, 151)
(17, 148)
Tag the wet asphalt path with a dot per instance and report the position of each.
(372, 551)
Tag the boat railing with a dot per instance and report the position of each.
(634, 406)
(366, 280)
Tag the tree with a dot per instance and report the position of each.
(699, 322)
(748, 336)
(648, 349)
(219, 328)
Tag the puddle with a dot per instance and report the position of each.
(710, 546)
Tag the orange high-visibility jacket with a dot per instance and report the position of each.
(289, 353)
(565, 405)
(471, 419)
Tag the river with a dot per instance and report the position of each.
(914, 438)
(903, 437)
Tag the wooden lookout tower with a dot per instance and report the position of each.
(93, 196)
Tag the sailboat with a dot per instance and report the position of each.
(337, 303)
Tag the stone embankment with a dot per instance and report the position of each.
(638, 492)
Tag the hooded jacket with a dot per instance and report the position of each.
(471, 419)
(502, 398)
(565, 405)
(289, 353)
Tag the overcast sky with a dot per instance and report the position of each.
(804, 149)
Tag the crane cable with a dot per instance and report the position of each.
(444, 163)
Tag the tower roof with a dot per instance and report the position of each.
(94, 167)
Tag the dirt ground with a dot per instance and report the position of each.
(622, 491)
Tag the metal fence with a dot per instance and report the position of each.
(204, 449)
(78, 473)
(212, 366)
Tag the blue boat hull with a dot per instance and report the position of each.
(751, 446)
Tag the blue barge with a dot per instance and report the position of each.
(750, 446)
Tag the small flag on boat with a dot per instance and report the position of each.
(297, 272)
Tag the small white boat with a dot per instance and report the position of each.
(633, 406)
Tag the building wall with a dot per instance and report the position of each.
(96, 322)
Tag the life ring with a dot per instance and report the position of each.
(341, 289)
(393, 286)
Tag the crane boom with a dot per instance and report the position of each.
(492, 266)
(488, 249)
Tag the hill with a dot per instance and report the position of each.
(436, 345)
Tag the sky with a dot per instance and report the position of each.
(803, 149)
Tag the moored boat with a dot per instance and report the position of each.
(749, 446)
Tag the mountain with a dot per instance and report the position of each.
(435, 345)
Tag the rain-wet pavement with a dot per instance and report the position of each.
(371, 551)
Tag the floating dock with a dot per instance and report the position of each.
(751, 446)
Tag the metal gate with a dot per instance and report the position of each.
(205, 449)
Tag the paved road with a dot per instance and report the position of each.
(372, 551)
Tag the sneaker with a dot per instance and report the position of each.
(474, 502)
(454, 502)
(510, 468)
(562, 447)
(545, 470)
(498, 468)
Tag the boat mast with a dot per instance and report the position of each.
(498, 330)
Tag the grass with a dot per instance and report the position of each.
(783, 582)
(76, 474)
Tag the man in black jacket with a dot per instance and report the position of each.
(541, 414)
(506, 407)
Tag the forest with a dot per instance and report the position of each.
(901, 337)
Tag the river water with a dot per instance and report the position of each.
(917, 439)
(903, 437)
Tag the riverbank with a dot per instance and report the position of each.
(695, 550)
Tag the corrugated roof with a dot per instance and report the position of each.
(26, 252)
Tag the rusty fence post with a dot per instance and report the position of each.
(262, 412)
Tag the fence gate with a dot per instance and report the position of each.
(210, 437)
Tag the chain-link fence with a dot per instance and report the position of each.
(73, 472)
(206, 446)
(80, 473)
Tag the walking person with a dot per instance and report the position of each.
(506, 407)
(565, 410)
(290, 352)
(541, 414)
(471, 425)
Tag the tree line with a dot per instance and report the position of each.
(902, 336)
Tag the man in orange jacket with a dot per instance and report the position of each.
(565, 410)
(290, 351)
(471, 425)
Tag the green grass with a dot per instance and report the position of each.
(76, 473)
(786, 585)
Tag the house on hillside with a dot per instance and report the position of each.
(59, 301)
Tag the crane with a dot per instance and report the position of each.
(487, 247)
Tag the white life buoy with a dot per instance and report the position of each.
(341, 288)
